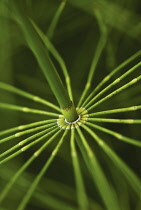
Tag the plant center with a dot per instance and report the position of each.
(82, 118)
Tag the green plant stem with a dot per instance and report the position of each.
(57, 56)
(41, 52)
(81, 192)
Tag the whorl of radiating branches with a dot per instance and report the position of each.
(82, 118)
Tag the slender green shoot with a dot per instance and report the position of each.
(133, 81)
(96, 57)
(55, 19)
(28, 145)
(127, 109)
(15, 90)
(127, 172)
(118, 136)
(19, 134)
(26, 109)
(109, 76)
(23, 168)
(114, 83)
(25, 141)
(41, 173)
(15, 178)
(81, 193)
(107, 193)
(54, 201)
(128, 121)
(22, 127)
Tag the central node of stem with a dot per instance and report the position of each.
(82, 114)
(70, 113)
(70, 123)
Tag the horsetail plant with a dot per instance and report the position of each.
(89, 152)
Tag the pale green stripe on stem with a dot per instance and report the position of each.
(133, 180)
(118, 136)
(25, 94)
(127, 109)
(114, 83)
(41, 173)
(109, 76)
(80, 189)
(106, 191)
(115, 92)
(26, 109)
